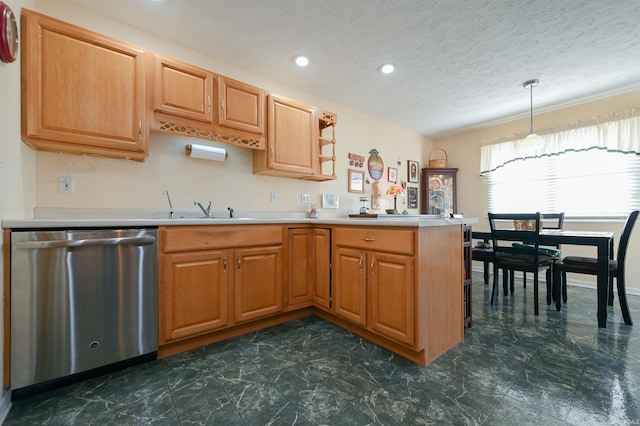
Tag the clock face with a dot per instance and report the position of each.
(8, 34)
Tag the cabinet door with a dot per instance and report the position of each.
(240, 105)
(350, 285)
(258, 282)
(301, 267)
(292, 136)
(322, 268)
(392, 297)
(182, 90)
(194, 294)
(82, 92)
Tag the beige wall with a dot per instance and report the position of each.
(17, 161)
(133, 185)
(464, 152)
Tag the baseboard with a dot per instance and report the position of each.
(570, 282)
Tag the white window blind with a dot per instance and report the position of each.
(592, 183)
(591, 169)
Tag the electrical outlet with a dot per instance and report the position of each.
(305, 198)
(274, 196)
(66, 185)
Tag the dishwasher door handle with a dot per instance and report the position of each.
(53, 244)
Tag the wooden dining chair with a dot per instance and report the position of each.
(589, 265)
(524, 255)
(548, 221)
(483, 252)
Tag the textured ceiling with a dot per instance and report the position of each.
(459, 63)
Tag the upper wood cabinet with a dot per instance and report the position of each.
(182, 90)
(301, 141)
(194, 102)
(291, 139)
(82, 92)
(240, 105)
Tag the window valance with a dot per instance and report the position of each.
(617, 133)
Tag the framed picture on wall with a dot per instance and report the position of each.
(392, 174)
(413, 171)
(412, 192)
(356, 181)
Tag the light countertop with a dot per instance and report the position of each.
(87, 218)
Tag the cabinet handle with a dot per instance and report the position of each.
(222, 107)
(360, 265)
(373, 272)
(209, 103)
(367, 239)
(271, 149)
(140, 129)
(224, 265)
(239, 263)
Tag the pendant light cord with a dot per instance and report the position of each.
(531, 109)
(530, 84)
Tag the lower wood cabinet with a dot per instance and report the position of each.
(376, 290)
(350, 291)
(212, 277)
(257, 282)
(400, 287)
(309, 279)
(195, 294)
(391, 296)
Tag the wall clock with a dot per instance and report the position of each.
(8, 34)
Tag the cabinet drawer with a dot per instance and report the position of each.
(391, 240)
(186, 238)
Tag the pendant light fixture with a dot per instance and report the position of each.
(530, 84)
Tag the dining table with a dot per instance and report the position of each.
(603, 241)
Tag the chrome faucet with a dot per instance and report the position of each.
(207, 211)
(170, 205)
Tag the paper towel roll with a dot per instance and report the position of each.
(206, 152)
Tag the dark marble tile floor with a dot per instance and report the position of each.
(513, 368)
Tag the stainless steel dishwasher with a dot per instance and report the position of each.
(80, 300)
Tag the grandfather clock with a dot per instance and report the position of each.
(438, 190)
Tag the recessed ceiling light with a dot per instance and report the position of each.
(386, 68)
(301, 60)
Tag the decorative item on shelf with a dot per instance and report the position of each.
(356, 160)
(313, 214)
(395, 190)
(363, 208)
(206, 152)
(438, 163)
(375, 195)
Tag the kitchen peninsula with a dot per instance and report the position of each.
(395, 281)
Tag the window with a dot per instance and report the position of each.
(588, 171)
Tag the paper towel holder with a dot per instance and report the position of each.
(206, 152)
